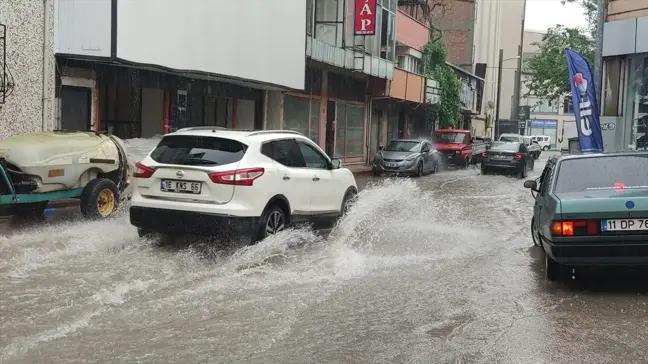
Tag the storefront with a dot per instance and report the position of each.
(332, 112)
(624, 100)
(546, 127)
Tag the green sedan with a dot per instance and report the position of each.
(591, 210)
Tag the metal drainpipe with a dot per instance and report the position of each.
(46, 21)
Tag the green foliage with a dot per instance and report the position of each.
(548, 76)
(448, 111)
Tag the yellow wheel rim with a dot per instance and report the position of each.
(106, 202)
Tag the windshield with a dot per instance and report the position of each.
(509, 139)
(195, 150)
(450, 138)
(402, 146)
(504, 147)
(587, 174)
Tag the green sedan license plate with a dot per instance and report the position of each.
(624, 225)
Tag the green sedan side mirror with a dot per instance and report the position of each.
(531, 184)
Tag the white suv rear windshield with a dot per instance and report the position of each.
(198, 150)
(600, 173)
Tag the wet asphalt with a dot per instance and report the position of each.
(439, 269)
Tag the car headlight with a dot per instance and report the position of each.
(411, 157)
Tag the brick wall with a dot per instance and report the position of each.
(626, 9)
(456, 18)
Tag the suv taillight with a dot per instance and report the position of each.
(239, 177)
(575, 228)
(142, 171)
(484, 155)
(518, 156)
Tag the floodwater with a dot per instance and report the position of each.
(439, 269)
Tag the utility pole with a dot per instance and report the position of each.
(601, 11)
(499, 93)
(515, 105)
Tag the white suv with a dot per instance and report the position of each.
(210, 181)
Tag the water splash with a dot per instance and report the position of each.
(104, 265)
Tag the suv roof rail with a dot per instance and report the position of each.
(203, 127)
(261, 132)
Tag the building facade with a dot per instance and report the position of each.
(498, 25)
(121, 70)
(348, 78)
(26, 66)
(624, 100)
(553, 118)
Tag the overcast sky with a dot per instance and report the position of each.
(544, 14)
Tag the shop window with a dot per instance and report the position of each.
(349, 133)
(329, 22)
(613, 81)
(637, 105)
(309, 16)
(387, 34)
(302, 114)
(568, 105)
(539, 105)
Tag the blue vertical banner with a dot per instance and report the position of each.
(586, 108)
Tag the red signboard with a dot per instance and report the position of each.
(365, 17)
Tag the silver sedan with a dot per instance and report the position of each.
(413, 157)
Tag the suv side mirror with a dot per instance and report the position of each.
(336, 163)
(380, 147)
(531, 184)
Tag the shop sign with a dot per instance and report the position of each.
(365, 17)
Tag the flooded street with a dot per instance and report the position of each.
(439, 269)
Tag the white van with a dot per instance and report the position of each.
(543, 140)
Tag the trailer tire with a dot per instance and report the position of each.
(99, 199)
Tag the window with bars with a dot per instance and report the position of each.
(409, 63)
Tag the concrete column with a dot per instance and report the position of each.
(323, 110)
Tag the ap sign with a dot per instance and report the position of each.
(365, 17)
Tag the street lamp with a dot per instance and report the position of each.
(499, 89)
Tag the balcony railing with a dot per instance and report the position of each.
(410, 32)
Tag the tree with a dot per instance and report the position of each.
(430, 11)
(448, 111)
(548, 75)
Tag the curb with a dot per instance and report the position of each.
(361, 173)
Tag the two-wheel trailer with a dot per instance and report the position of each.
(36, 168)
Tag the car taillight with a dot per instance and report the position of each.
(518, 156)
(239, 177)
(484, 155)
(142, 171)
(575, 228)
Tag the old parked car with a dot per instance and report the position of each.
(591, 210)
(36, 168)
(412, 157)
